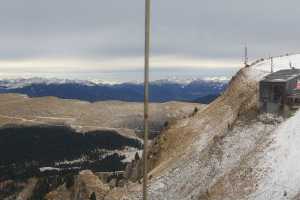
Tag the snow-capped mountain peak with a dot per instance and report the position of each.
(22, 82)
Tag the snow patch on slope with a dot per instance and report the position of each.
(281, 160)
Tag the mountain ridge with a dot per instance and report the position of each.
(196, 90)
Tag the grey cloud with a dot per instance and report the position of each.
(114, 28)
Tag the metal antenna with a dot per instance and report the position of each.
(146, 97)
(246, 56)
(272, 65)
(291, 65)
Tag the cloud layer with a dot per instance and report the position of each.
(109, 34)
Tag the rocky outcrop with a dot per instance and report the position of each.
(27, 192)
(17, 190)
(61, 193)
(86, 186)
(133, 171)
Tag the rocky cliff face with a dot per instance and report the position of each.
(86, 186)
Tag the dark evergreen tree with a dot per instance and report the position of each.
(93, 196)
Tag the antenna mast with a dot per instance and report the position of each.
(272, 65)
(246, 56)
(291, 65)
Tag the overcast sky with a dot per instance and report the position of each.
(108, 34)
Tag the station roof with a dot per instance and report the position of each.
(282, 75)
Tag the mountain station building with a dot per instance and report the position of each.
(280, 91)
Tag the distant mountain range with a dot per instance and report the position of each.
(196, 90)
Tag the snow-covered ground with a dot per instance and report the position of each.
(206, 168)
(279, 63)
(281, 163)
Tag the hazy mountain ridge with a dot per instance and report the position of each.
(21, 82)
(191, 90)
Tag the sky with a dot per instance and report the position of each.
(108, 35)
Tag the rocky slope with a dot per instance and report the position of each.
(222, 152)
(86, 185)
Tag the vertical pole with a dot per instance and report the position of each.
(272, 65)
(146, 97)
(246, 56)
(291, 65)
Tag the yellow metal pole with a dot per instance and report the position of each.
(146, 97)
